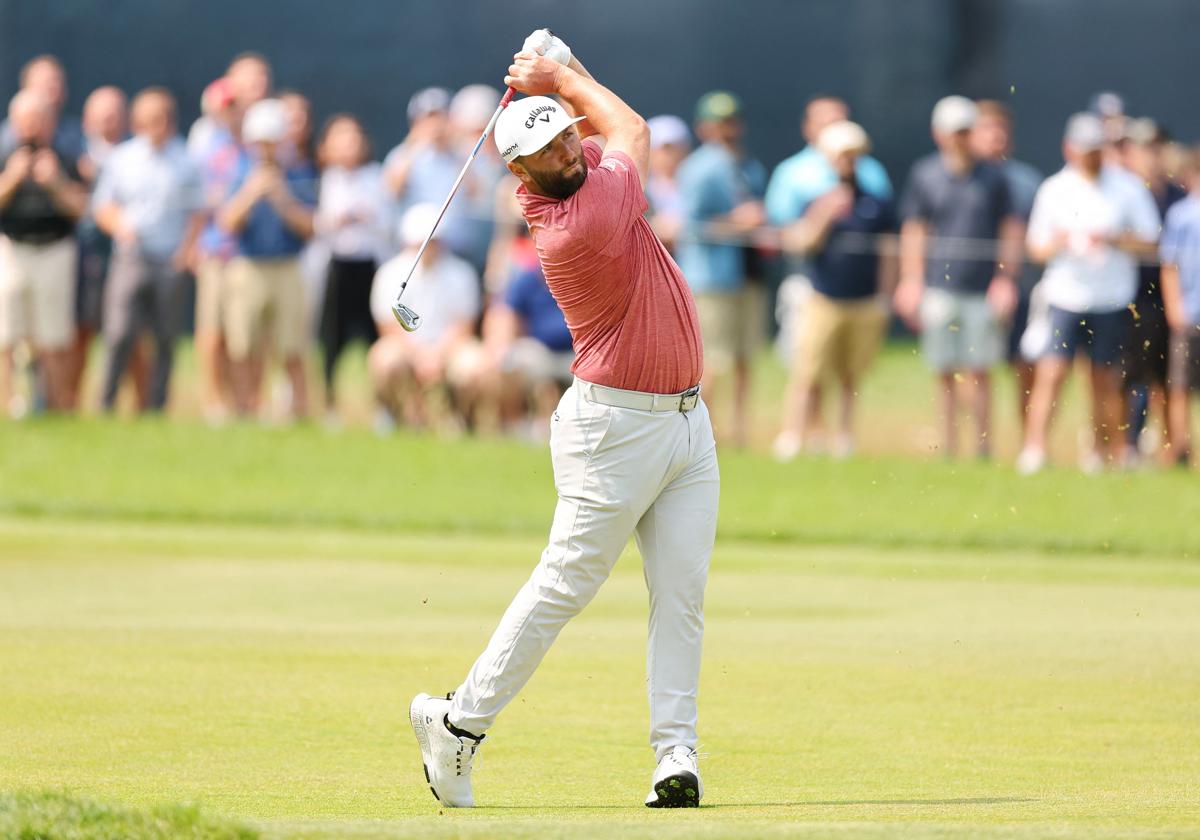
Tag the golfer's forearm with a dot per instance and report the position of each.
(622, 126)
(585, 128)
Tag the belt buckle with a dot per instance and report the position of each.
(689, 398)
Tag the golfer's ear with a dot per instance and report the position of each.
(520, 171)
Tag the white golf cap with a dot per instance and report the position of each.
(265, 122)
(843, 136)
(953, 114)
(1085, 132)
(416, 223)
(528, 124)
(668, 130)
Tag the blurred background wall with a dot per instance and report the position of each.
(891, 59)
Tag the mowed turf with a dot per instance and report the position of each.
(895, 648)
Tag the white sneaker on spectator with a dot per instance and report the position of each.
(787, 446)
(447, 755)
(1031, 461)
(676, 781)
(1091, 462)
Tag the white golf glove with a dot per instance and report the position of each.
(544, 42)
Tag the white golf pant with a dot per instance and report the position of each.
(618, 471)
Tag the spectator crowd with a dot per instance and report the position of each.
(294, 237)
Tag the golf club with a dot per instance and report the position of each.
(408, 318)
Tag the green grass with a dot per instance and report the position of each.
(236, 619)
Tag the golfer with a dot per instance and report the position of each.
(631, 443)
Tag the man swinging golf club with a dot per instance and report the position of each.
(631, 443)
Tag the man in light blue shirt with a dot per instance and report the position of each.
(721, 189)
(149, 200)
(1180, 254)
(807, 174)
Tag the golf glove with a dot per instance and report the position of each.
(544, 42)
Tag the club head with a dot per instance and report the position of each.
(408, 319)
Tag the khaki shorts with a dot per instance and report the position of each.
(210, 294)
(731, 324)
(536, 363)
(838, 338)
(37, 293)
(959, 331)
(264, 299)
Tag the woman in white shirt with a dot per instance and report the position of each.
(353, 219)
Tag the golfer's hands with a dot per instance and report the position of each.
(534, 74)
(544, 42)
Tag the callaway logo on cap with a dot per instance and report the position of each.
(529, 124)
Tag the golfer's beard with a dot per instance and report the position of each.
(557, 185)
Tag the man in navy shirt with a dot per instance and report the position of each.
(844, 319)
(527, 338)
(270, 211)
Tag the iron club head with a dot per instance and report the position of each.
(408, 319)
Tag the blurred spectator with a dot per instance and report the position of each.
(422, 169)
(528, 346)
(216, 98)
(298, 139)
(991, 138)
(41, 198)
(44, 75)
(1110, 108)
(510, 236)
(1146, 365)
(250, 79)
(470, 110)
(670, 143)
(807, 174)
(846, 315)
(149, 200)
(407, 367)
(956, 286)
(1090, 223)
(353, 216)
(217, 162)
(1180, 251)
(271, 213)
(105, 124)
(722, 190)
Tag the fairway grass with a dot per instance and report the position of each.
(849, 690)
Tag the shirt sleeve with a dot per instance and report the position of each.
(1144, 220)
(780, 207)
(516, 296)
(1168, 246)
(105, 191)
(1041, 220)
(608, 204)
(915, 202)
(873, 177)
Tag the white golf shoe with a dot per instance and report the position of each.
(676, 781)
(447, 757)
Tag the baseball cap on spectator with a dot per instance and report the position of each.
(474, 104)
(1085, 132)
(432, 100)
(953, 114)
(717, 105)
(843, 136)
(1144, 132)
(1107, 104)
(416, 223)
(668, 130)
(528, 124)
(265, 122)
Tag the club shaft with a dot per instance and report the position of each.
(508, 95)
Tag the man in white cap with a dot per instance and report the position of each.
(843, 322)
(670, 143)
(956, 284)
(631, 442)
(1090, 225)
(405, 366)
(270, 212)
